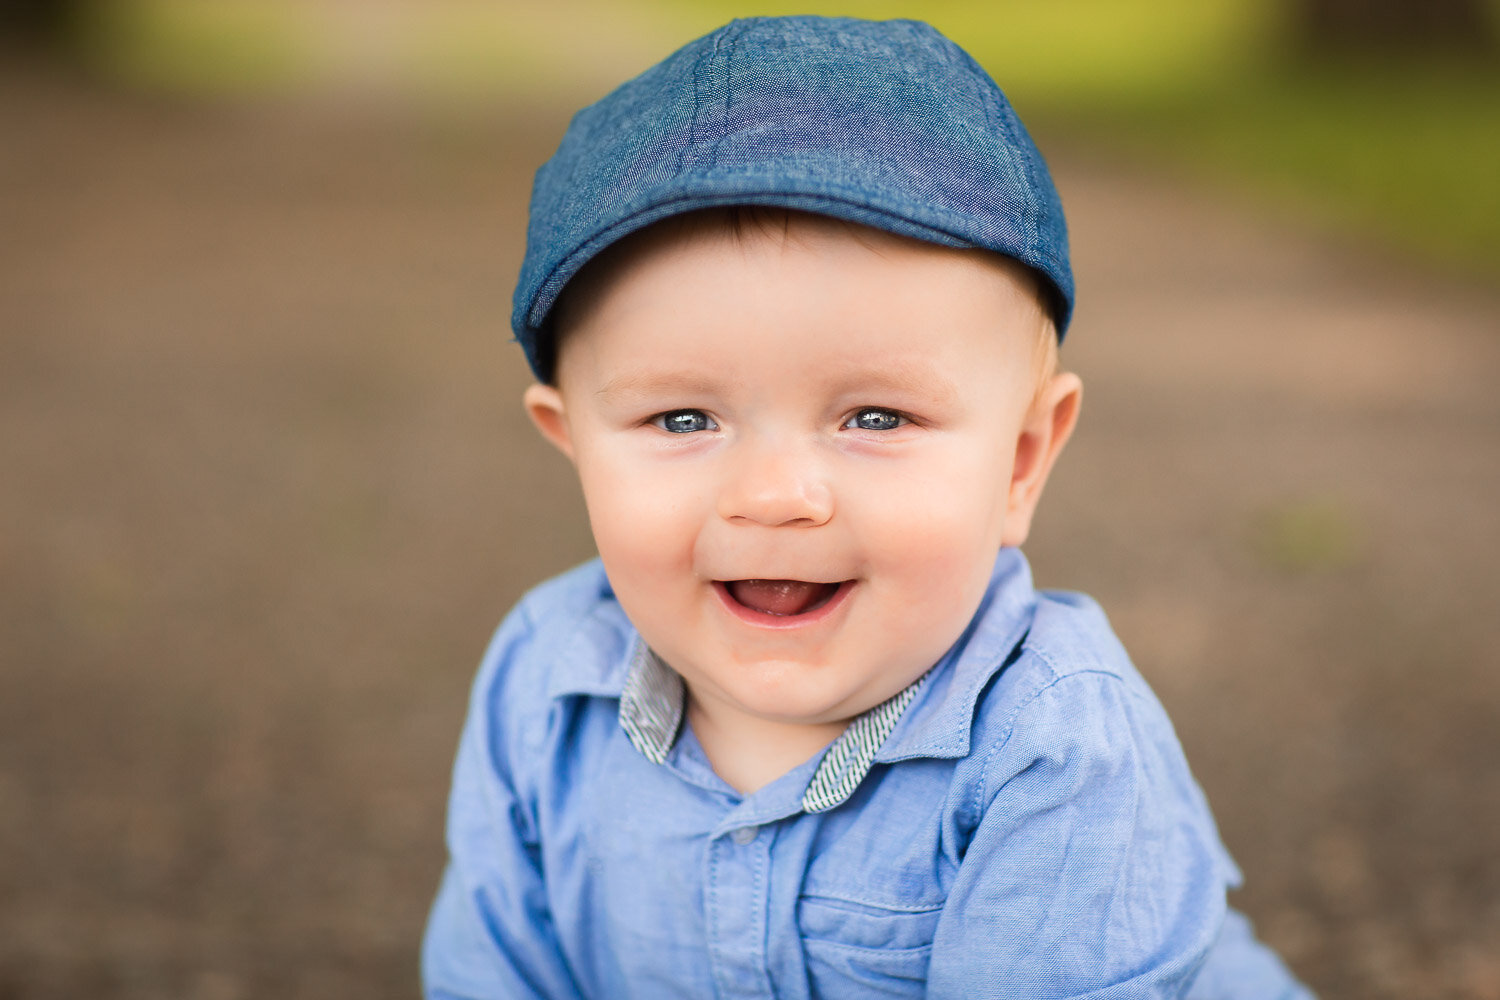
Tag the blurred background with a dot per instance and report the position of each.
(266, 488)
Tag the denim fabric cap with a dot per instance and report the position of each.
(888, 124)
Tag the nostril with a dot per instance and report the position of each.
(774, 483)
(777, 507)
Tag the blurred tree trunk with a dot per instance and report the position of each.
(1395, 25)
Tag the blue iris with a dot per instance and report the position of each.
(876, 420)
(686, 421)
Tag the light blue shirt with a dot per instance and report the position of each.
(1018, 823)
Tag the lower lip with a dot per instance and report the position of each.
(761, 619)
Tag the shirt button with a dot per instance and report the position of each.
(745, 834)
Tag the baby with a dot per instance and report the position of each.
(805, 729)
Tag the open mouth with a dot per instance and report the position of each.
(781, 598)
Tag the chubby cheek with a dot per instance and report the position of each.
(935, 536)
(644, 525)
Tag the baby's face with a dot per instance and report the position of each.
(800, 454)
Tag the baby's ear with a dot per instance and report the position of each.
(544, 405)
(1048, 426)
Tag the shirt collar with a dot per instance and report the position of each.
(931, 717)
(651, 709)
(651, 704)
(941, 721)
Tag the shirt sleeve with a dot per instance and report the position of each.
(490, 933)
(1094, 869)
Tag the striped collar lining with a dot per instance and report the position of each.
(651, 711)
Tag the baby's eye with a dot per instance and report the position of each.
(872, 419)
(685, 421)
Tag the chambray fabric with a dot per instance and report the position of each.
(1027, 828)
(886, 123)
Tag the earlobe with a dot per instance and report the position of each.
(1047, 429)
(544, 405)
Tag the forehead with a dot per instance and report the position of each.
(838, 277)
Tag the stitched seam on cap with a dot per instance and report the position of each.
(690, 148)
(728, 75)
(1036, 206)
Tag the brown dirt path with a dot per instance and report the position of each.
(266, 490)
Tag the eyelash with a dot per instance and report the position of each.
(900, 419)
(691, 421)
(666, 420)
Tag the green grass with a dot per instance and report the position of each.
(1407, 153)
(1306, 536)
(205, 50)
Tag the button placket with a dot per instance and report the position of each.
(736, 903)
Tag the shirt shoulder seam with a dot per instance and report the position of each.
(982, 796)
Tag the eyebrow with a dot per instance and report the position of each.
(911, 379)
(906, 379)
(657, 383)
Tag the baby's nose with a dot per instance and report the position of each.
(773, 484)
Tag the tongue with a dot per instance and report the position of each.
(779, 597)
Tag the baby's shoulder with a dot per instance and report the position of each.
(1069, 654)
(567, 634)
(1070, 635)
(557, 604)
(1070, 696)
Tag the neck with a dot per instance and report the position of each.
(750, 753)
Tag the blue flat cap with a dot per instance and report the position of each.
(886, 123)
